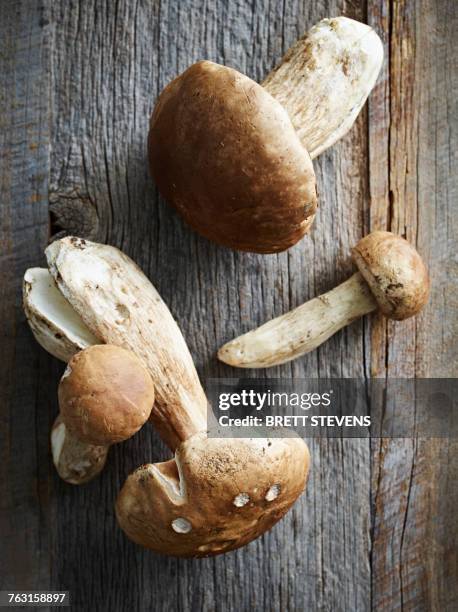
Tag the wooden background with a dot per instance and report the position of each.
(377, 528)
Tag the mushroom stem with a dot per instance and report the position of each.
(301, 330)
(324, 80)
(76, 462)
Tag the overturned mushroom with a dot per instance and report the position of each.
(234, 157)
(105, 396)
(216, 495)
(392, 277)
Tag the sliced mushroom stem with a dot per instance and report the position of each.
(301, 330)
(76, 462)
(54, 323)
(324, 80)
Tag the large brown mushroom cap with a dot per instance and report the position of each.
(394, 271)
(217, 495)
(105, 395)
(224, 152)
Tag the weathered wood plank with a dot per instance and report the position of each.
(412, 145)
(109, 61)
(24, 395)
(109, 64)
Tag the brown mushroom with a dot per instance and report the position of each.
(392, 277)
(105, 396)
(225, 154)
(233, 157)
(216, 495)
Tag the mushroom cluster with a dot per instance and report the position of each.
(235, 159)
(216, 494)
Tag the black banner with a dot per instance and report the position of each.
(344, 408)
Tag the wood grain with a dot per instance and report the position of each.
(26, 374)
(412, 143)
(375, 528)
(120, 60)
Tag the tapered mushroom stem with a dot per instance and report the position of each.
(392, 277)
(301, 330)
(325, 78)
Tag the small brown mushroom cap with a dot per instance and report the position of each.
(395, 272)
(217, 495)
(105, 395)
(225, 154)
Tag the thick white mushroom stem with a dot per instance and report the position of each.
(119, 305)
(324, 80)
(301, 330)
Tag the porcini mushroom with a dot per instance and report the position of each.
(392, 278)
(105, 396)
(217, 494)
(234, 157)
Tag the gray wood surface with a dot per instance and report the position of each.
(377, 526)
(26, 375)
